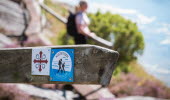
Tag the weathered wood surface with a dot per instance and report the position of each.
(64, 20)
(102, 41)
(11, 18)
(93, 65)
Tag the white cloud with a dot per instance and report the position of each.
(162, 71)
(131, 14)
(142, 19)
(165, 42)
(164, 29)
(165, 24)
(155, 69)
(128, 13)
(106, 7)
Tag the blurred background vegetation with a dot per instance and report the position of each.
(128, 41)
(125, 35)
(129, 77)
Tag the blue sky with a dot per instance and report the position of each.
(153, 19)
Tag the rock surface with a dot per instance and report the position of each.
(40, 94)
(11, 18)
(18, 17)
(139, 98)
(30, 92)
(94, 92)
(7, 42)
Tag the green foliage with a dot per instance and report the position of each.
(122, 66)
(65, 39)
(128, 40)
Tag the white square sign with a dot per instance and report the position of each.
(41, 61)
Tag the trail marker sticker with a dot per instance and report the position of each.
(62, 65)
(41, 61)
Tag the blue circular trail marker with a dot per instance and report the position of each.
(62, 65)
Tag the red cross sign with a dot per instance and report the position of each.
(41, 61)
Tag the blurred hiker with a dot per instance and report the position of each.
(77, 9)
(77, 25)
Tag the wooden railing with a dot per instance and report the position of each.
(97, 39)
(90, 65)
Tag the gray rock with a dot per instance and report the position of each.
(40, 94)
(139, 98)
(11, 18)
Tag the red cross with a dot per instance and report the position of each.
(40, 61)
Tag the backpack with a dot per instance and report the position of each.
(71, 25)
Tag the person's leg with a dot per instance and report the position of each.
(63, 69)
(59, 69)
(80, 39)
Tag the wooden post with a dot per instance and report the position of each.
(64, 20)
(92, 65)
